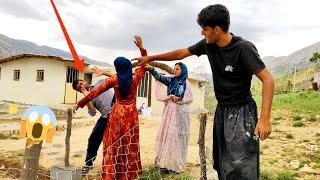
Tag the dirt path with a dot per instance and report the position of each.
(53, 154)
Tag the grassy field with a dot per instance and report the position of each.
(306, 103)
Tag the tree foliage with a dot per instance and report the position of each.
(315, 57)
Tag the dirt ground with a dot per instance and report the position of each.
(53, 154)
(294, 149)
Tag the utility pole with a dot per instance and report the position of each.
(294, 78)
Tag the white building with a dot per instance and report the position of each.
(47, 80)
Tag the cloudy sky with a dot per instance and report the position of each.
(104, 29)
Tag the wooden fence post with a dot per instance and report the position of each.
(67, 140)
(201, 142)
(30, 165)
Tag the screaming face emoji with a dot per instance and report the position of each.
(38, 123)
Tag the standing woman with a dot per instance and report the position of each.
(173, 137)
(121, 151)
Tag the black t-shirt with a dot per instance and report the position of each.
(232, 68)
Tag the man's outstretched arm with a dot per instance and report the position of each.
(169, 56)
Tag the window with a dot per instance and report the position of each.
(72, 74)
(16, 75)
(88, 78)
(143, 86)
(40, 75)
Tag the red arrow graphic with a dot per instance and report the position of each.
(78, 64)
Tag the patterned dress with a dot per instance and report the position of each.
(173, 136)
(121, 151)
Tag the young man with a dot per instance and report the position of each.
(233, 61)
(103, 104)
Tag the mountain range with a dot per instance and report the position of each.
(10, 47)
(276, 65)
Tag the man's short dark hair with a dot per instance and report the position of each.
(74, 84)
(214, 15)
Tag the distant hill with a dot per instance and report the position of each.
(10, 47)
(286, 64)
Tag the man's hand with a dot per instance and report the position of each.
(142, 60)
(97, 71)
(138, 42)
(148, 67)
(263, 128)
(75, 108)
(84, 91)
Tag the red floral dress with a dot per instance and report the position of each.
(121, 151)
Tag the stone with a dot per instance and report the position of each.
(212, 174)
(294, 164)
(60, 172)
(306, 169)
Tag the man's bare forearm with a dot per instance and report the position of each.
(171, 56)
(90, 106)
(267, 96)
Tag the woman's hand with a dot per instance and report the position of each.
(97, 71)
(148, 67)
(174, 98)
(138, 42)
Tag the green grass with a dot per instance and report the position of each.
(286, 175)
(265, 175)
(289, 136)
(273, 161)
(210, 101)
(277, 175)
(297, 117)
(265, 146)
(312, 118)
(278, 118)
(303, 162)
(153, 173)
(298, 124)
(301, 102)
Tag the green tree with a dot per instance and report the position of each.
(315, 57)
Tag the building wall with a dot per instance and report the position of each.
(28, 90)
(95, 78)
(198, 96)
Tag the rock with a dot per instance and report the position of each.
(60, 172)
(6, 133)
(306, 169)
(309, 177)
(294, 164)
(212, 174)
(2, 167)
(309, 147)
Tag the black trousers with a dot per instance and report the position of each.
(235, 150)
(95, 140)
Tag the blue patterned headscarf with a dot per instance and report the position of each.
(124, 74)
(178, 84)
